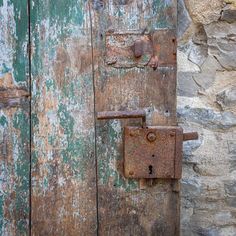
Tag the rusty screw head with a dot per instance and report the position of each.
(151, 137)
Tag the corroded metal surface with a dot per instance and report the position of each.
(14, 119)
(150, 158)
(123, 209)
(63, 153)
(150, 152)
(154, 151)
(134, 49)
(122, 49)
(108, 115)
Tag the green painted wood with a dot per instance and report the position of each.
(124, 209)
(63, 144)
(14, 119)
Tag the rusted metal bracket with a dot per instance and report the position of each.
(108, 115)
(151, 151)
(138, 49)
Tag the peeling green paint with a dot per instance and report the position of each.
(75, 152)
(21, 124)
(14, 121)
(3, 120)
(50, 84)
(65, 12)
(20, 60)
(109, 147)
(160, 9)
(62, 117)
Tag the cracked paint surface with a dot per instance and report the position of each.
(62, 118)
(63, 161)
(14, 119)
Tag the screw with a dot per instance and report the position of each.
(151, 137)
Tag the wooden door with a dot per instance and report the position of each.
(14, 119)
(123, 82)
(61, 169)
(63, 197)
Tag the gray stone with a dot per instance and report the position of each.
(207, 117)
(206, 82)
(207, 232)
(220, 30)
(230, 188)
(225, 53)
(186, 86)
(232, 147)
(231, 201)
(191, 146)
(232, 163)
(228, 230)
(200, 36)
(206, 78)
(199, 49)
(222, 43)
(228, 15)
(227, 98)
(190, 187)
(184, 19)
(198, 54)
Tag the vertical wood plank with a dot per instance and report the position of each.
(124, 209)
(63, 161)
(14, 119)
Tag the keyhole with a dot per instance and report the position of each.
(150, 169)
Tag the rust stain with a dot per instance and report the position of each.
(125, 82)
(72, 55)
(7, 81)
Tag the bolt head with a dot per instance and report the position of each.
(151, 137)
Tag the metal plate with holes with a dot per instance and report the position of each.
(153, 152)
(159, 44)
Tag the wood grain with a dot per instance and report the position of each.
(63, 151)
(14, 119)
(124, 209)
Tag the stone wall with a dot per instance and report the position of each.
(207, 103)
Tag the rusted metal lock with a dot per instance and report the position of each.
(151, 151)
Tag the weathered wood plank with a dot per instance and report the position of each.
(124, 209)
(14, 119)
(63, 161)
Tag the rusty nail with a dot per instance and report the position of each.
(151, 137)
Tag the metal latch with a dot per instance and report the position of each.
(151, 151)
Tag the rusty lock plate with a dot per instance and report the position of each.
(151, 151)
